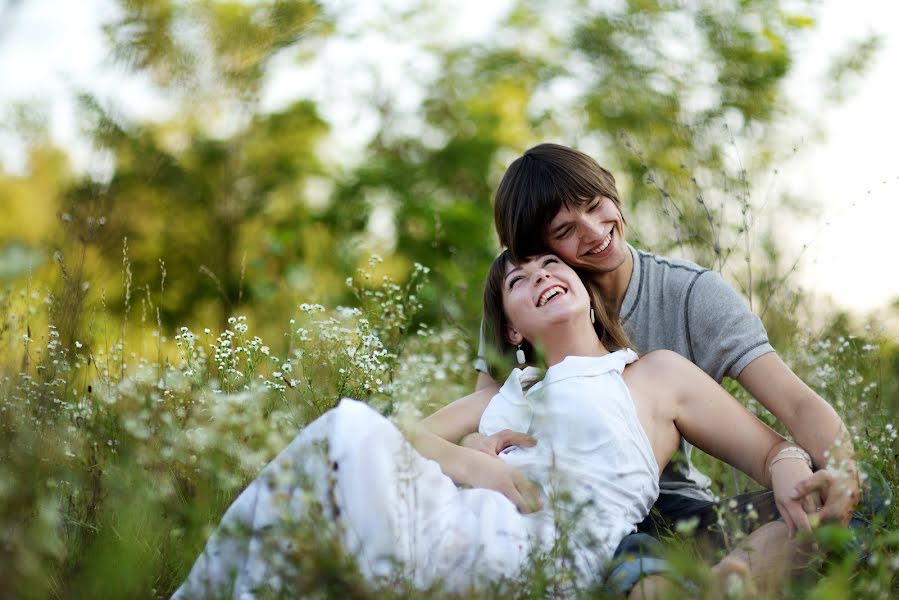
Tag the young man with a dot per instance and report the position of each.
(556, 199)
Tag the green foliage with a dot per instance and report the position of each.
(198, 204)
(236, 200)
(121, 447)
(113, 465)
(222, 43)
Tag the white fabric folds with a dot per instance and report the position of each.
(398, 515)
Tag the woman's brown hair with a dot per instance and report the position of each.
(500, 354)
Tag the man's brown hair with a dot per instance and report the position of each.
(537, 185)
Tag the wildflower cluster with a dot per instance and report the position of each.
(99, 435)
(846, 372)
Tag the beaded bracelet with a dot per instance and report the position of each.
(791, 452)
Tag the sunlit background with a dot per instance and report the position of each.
(833, 140)
(192, 192)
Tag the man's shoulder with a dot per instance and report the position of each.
(670, 280)
(676, 266)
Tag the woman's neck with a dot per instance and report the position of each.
(575, 340)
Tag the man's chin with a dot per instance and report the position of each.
(605, 264)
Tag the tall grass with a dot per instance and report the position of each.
(118, 457)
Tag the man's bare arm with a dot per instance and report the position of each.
(814, 424)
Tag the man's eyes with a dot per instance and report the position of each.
(564, 233)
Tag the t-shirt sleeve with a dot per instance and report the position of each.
(480, 362)
(723, 334)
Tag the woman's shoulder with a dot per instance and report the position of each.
(659, 369)
(659, 360)
(654, 382)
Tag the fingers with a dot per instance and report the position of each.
(525, 500)
(840, 501)
(820, 482)
(837, 501)
(811, 503)
(530, 495)
(799, 520)
(837, 509)
(532, 501)
(785, 515)
(507, 437)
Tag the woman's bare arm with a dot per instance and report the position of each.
(476, 469)
(457, 419)
(437, 437)
(486, 381)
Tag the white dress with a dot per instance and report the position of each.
(398, 515)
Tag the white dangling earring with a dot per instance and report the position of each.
(592, 315)
(519, 355)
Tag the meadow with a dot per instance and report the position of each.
(122, 442)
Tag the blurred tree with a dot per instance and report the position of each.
(28, 198)
(682, 102)
(200, 188)
(192, 201)
(662, 93)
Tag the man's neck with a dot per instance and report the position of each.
(613, 284)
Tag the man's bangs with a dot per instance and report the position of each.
(568, 191)
(576, 189)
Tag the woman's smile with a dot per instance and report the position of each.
(551, 293)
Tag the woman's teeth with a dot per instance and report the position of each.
(550, 293)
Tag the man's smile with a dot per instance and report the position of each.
(599, 248)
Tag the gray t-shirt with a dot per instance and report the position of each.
(677, 305)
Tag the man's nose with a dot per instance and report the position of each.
(586, 230)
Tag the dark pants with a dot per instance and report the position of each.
(710, 520)
(640, 554)
(747, 512)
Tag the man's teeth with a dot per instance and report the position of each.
(548, 294)
(603, 246)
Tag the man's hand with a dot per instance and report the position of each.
(496, 443)
(838, 492)
(489, 472)
(797, 512)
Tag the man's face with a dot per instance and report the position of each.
(589, 236)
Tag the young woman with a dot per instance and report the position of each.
(605, 424)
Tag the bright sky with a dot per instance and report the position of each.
(854, 172)
(50, 48)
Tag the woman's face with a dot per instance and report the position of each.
(540, 293)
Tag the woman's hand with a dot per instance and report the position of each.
(496, 443)
(490, 472)
(799, 512)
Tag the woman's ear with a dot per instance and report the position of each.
(512, 335)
